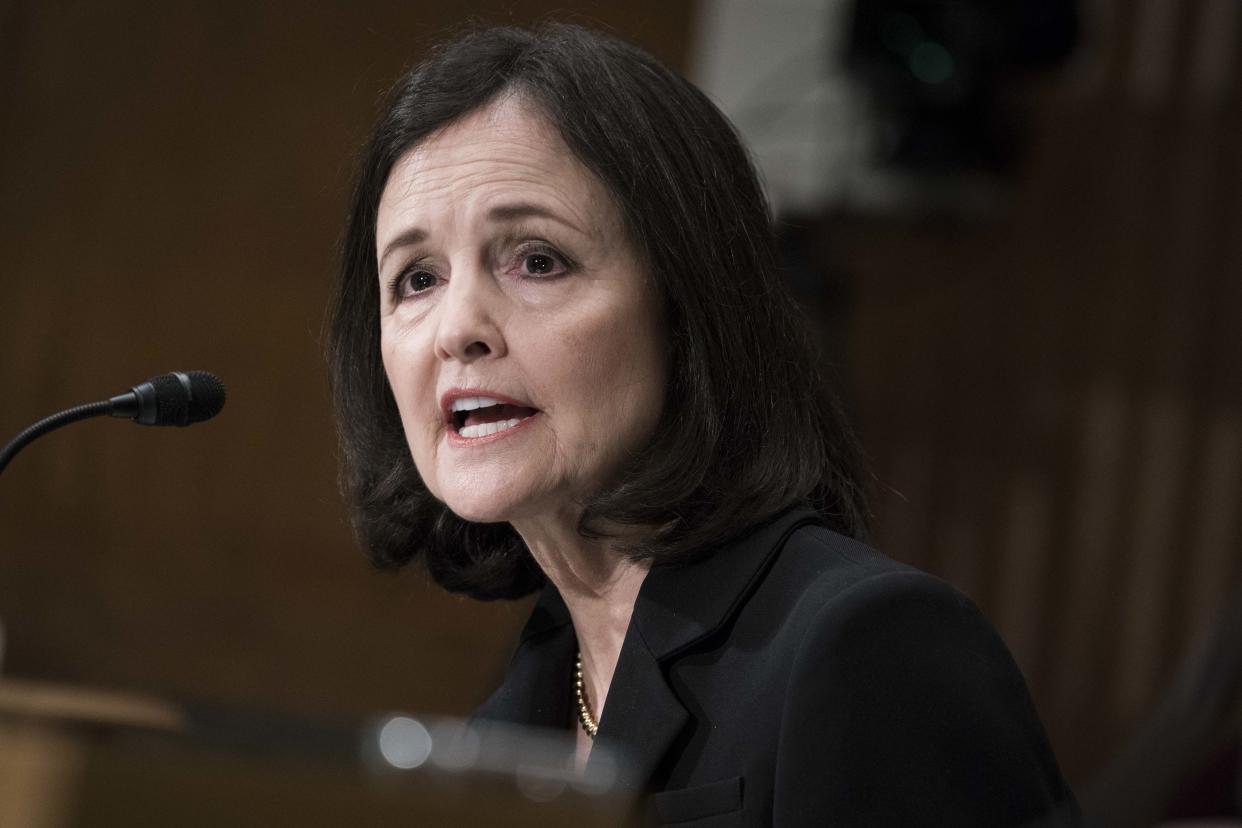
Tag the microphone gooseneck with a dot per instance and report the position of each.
(61, 418)
(178, 399)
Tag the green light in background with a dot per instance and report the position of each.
(931, 63)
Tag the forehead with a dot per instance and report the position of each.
(508, 151)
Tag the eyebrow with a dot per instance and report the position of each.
(524, 210)
(501, 213)
(412, 236)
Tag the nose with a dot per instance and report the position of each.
(468, 329)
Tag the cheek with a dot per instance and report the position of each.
(645, 373)
(647, 368)
(413, 388)
(616, 370)
(395, 369)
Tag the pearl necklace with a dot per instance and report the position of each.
(584, 708)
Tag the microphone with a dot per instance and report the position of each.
(179, 398)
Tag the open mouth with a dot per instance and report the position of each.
(474, 417)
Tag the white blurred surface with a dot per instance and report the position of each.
(774, 67)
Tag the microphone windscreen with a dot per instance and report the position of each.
(206, 396)
(179, 398)
(172, 401)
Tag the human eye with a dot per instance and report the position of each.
(412, 280)
(539, 260)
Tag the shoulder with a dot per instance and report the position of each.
(826, 581)
(863, 626)
(829, 560)
(897, 681)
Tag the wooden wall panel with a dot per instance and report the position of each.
(1051, 395)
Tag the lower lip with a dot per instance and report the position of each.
(456, 439)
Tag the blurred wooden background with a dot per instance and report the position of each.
(1051, 397)
(1054, 394)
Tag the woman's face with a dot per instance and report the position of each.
(520, 332)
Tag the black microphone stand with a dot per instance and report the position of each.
(55, 421)
(178, 398)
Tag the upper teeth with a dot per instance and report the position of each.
(471, 403)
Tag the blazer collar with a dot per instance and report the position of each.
(675, 606)
(678, 606)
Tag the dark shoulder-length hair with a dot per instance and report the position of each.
(749, 428)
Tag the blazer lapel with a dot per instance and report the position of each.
(642, 716)
(677, 607)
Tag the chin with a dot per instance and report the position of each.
(482, 506)
(494, 493)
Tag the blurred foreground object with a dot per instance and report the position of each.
(77, 757)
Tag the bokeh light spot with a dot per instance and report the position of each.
(931, 63)
(404, 742)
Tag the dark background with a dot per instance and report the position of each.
(1049, 389)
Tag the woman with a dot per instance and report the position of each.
(564, 361)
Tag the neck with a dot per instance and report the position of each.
(599, 587)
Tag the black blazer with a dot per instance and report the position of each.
(797, 677)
